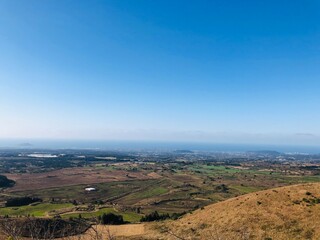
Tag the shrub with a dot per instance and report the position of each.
(175, 216)
(16, 202)
(222, 188)
(111, 218)
(5, 182)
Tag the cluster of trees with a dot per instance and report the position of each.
(154, 216)
(110, 218)
(21, 201)
(5, 182)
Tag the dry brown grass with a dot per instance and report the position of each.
(108, 232)
(274, 214)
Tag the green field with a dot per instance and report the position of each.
(127, 216)
(181, 187)
(148, 193)
(39, 210)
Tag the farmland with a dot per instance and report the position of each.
(134, 184)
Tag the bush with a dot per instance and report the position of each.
(111, 218)
(16, 202)
(222, 188)
(5, 182)
(176, 216)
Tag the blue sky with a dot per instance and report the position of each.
(212, 71)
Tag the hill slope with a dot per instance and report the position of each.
(291, 212)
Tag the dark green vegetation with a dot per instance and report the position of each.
(170, 184)
(21, 201)
(5, 182)
(111, 218)
(154, 216)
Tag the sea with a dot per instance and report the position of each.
(154, 146)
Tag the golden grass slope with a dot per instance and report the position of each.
(291, 212)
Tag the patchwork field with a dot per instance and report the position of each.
(71, 176)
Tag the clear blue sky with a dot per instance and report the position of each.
(212, 71)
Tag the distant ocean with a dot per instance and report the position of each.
(152, 146)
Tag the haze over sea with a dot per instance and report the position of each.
(153, 146)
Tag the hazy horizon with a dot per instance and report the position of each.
(143, 145)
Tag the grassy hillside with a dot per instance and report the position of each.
(291, 212)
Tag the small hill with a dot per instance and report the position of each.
(291, 212)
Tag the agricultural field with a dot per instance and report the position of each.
(136, 184)
(37, 210)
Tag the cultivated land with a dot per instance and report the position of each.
(135, 184)
(70, 177)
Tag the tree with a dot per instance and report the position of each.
(111, 218)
